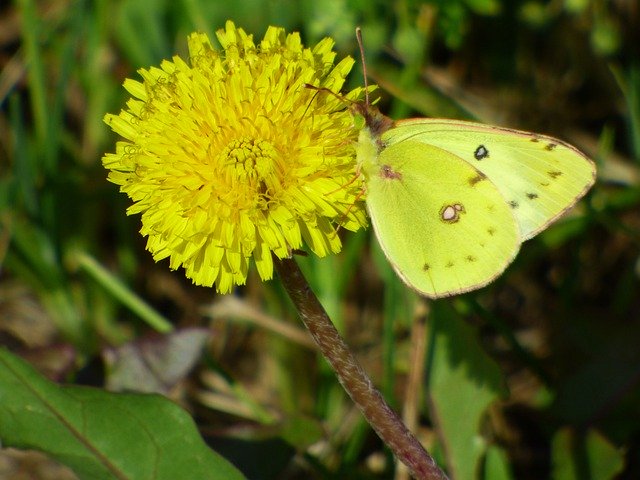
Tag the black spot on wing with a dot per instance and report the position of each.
(426, 267)
(554, 174)
(476, 179)
(550, 146)
(449, 264)
(532, 196)
(481, 152)
(470, 258)
(513, 204)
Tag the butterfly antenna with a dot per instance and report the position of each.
(312, 98)
(364, 65)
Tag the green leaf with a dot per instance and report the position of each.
(462, 382)
(496, 465)
(587, 456)
(102, 435)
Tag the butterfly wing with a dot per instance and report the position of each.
(539, 177)
(442, 224)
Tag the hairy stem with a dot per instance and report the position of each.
(353, 378)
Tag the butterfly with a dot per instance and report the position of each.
(451, 201)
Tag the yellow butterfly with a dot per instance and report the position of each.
(451, 201)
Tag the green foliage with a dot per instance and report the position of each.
(559, 329)
(462, 383)
(102, 435)
(584, 456)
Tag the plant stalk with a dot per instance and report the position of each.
(389, 427)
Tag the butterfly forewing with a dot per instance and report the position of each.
(539, 177)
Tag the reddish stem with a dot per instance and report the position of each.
(353, 378)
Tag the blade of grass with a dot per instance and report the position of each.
(35, 75)
(121, 292)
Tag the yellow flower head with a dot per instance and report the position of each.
(230, 156)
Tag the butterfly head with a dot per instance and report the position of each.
(367, 116)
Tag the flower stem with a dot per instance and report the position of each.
(353, 378)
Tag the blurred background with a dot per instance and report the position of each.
(535, 376)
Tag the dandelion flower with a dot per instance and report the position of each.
(231, 157)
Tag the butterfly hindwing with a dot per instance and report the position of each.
(442, 224)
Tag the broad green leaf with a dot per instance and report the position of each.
(102, 435)
(462, 382)
(584, 457)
